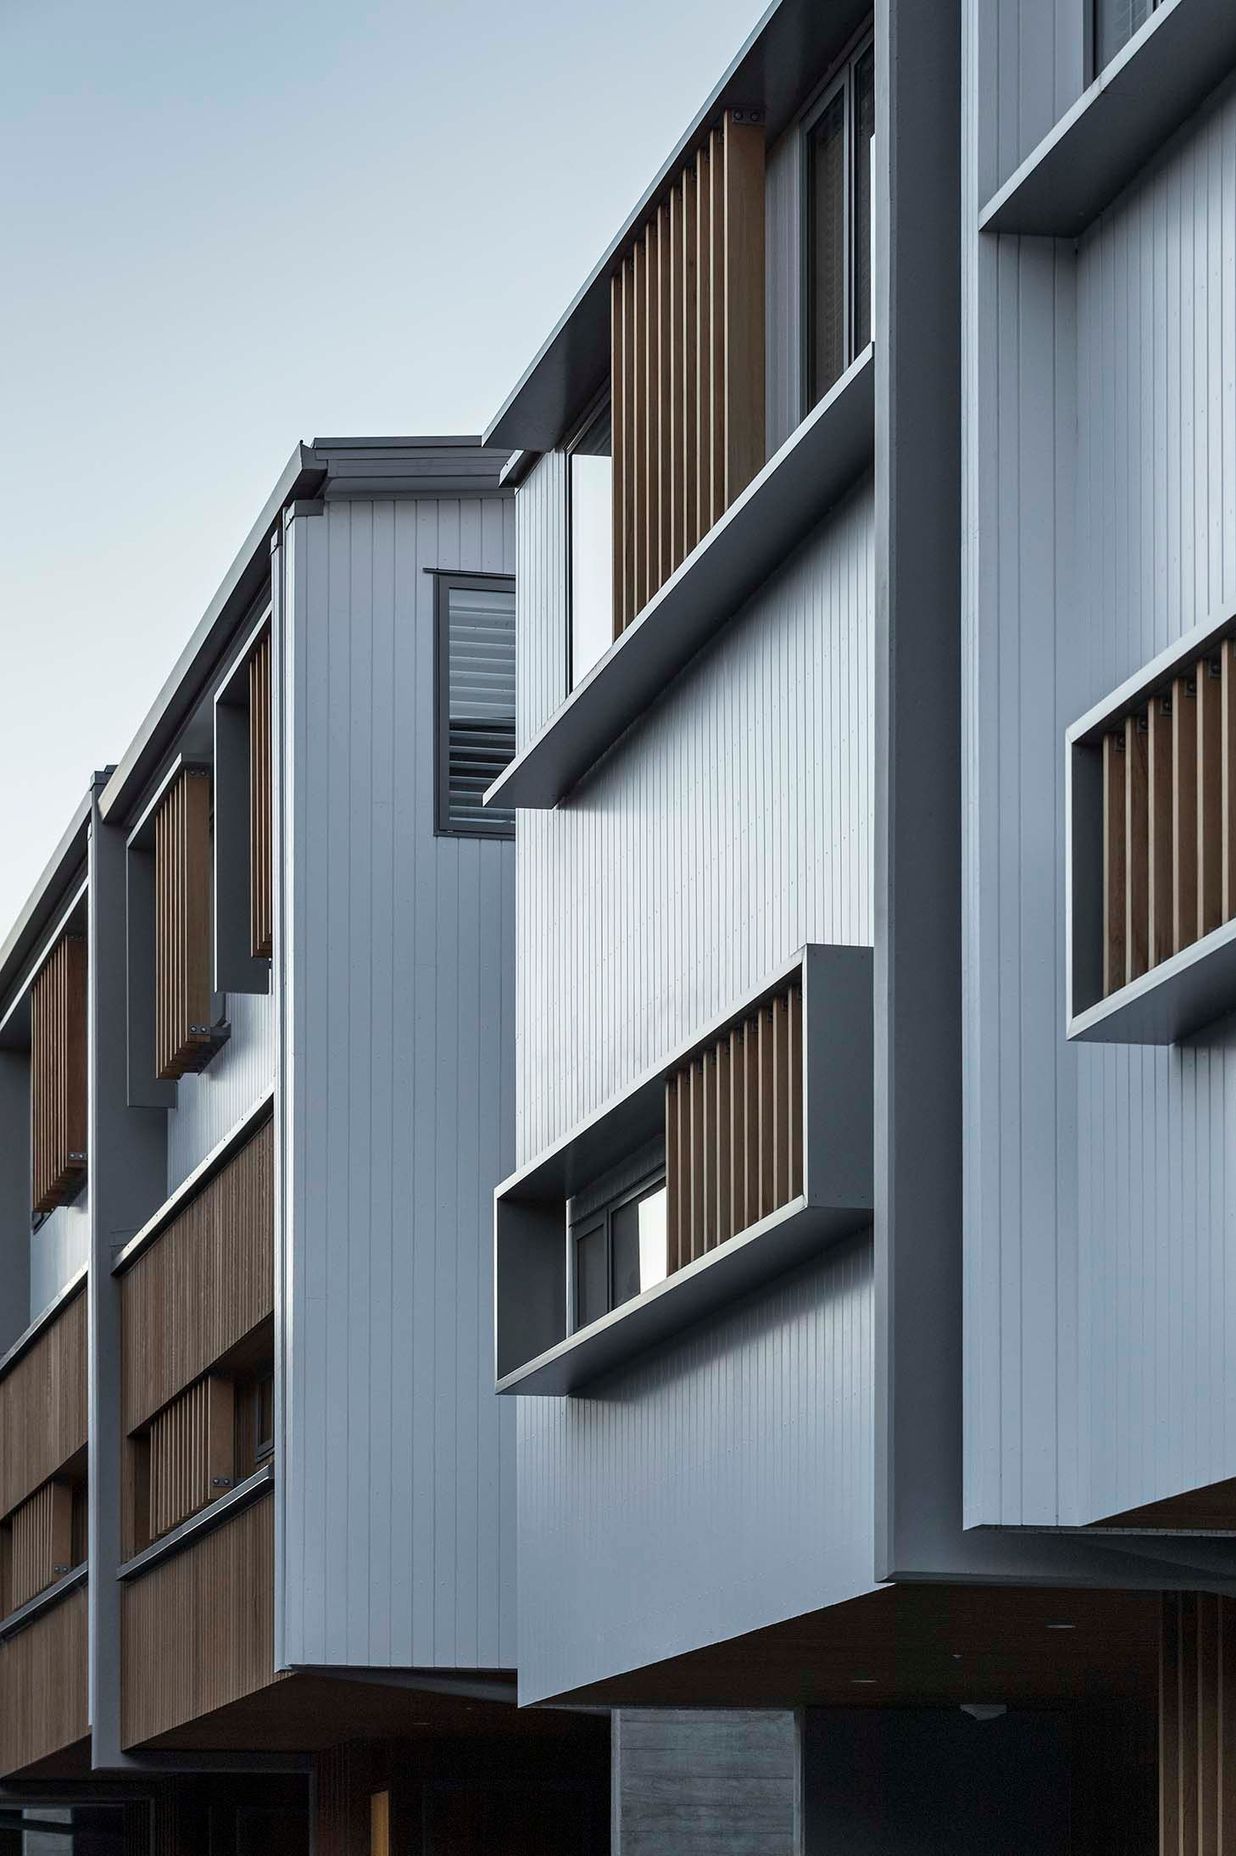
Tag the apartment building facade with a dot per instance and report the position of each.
(257, 1070)
(861, 1281)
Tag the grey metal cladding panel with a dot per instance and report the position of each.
(720, 1485)
(541, 595)
(210, 1104)
(1101, 1313)
(399, 1516)
(59, 1249)
(783, 322)
(728, 828)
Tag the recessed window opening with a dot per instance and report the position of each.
(476, 702)
(590, 492)
(1115, 22)
(620, 1250)
(838, 192)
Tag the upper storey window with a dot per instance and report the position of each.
(590, 475)
(839, 223)
(476, 701)
(1115, 22)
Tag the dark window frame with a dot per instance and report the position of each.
(1096, 63)
(444, 581)
(587, 1224)
(601, 404)
(839, 82)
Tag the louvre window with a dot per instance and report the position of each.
(58, 1076)
(184, 1038)
(43, 1539)
(476, 696)
(839, 223)
(1115, 22)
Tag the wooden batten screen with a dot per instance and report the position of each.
(1197, 1726)
(58, 1076)
(1169, 820)
(40, 1542)
(183, 1039)
(191, 1453)
(734, 1129)
(687, 382)
(261, 776)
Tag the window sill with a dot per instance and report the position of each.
(1174, 1000)
(205, 1521)
(791, 1235)
(799, 484)
(1119, 122)
(51, 1595)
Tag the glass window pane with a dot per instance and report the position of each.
(1114, 25)
(480, 628)
(591, 494)
(864, 129)
(827, 234)
(637, 1236)
(591, 1275)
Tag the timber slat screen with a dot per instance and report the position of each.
(261, 773)
(1197, 1725)
(183, 1039)
(734, 1130)
(40, 1542)
(58, 1076)
(192, 1453)
(687, 381)
(1169, 820)
(44, 1690)
(43, 1406)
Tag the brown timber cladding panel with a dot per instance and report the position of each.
(261, 773)
(40, 1542)
(733, 1129)
(190, 1453)
(1197, 1726)
(58, 1075)
(43, 1406)
(206, 1282)
(44, 1703)
(182, 927)
(687, 386)
(198, 1630)
(1169, 820)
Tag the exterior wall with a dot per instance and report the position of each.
(209, 1106)
(722, 1483)
(394, 1541)
(696, 1781)
(541, 595)
(1100, 516)
(731, 826)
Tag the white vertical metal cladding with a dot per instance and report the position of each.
(209, 1105)
(397, 1063)
(1100, 465)
(541, 594)
(731, 826)
(715, 1487)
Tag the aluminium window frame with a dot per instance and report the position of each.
(598, 404)
(468, 580)
(584, 1225)
(839, 81)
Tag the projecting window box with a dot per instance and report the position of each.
(745, 1154)
(1151, 859)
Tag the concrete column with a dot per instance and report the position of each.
(705, 1782)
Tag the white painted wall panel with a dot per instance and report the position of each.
(397, 1067)
(541, 594)
(209, 1105)
(58, 1250)
(1101, 525)
(723, 1483)
(730, 826)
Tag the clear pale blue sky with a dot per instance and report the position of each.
(227, 227)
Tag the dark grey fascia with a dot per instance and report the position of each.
(1154, 85)
(815, 467)
(778, 67)
(63, 868)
